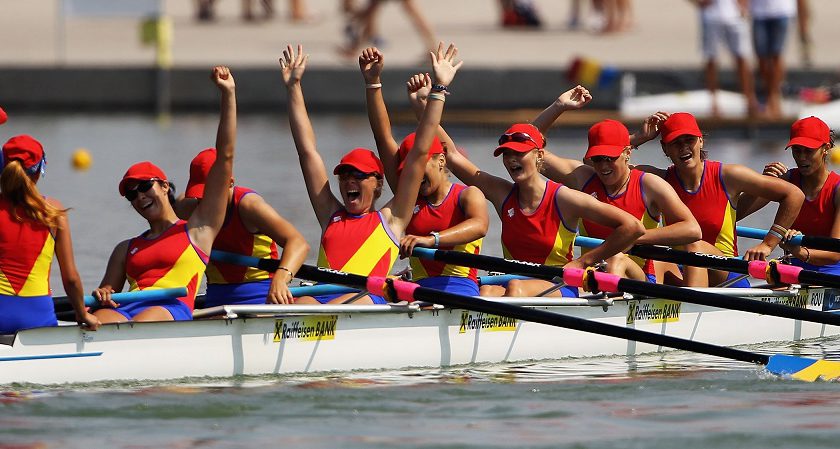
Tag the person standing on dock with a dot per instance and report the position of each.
(251, 228)
(356, 236)
(446, 215)
(33, 229)
(172, 252)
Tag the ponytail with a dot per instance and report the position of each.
(19, 189)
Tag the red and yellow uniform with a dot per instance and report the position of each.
(711, 207)
(816, 217)
(540, 237)
(358, 244)
(170, 260)
(632, 201)
(234, 237)
(427, 218)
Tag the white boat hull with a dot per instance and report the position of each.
(341, 341)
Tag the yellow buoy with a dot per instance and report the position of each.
(81, 159)
(835, 155)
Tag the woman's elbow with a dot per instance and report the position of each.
(635, 228)
(693, 232)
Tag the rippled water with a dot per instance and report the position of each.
(677, 399)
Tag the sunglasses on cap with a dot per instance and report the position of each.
(141, 187)
(518, 137)
(355, 174)
(598, 159)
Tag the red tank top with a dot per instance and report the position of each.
(817, 214)
(26, 253)
(168, 261)
(427, 218)
(360, 244)
(632, 201)
(540, 237)
(235, 238)
(710, 206)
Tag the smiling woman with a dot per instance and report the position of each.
(172, 252)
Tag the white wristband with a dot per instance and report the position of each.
(373, 85)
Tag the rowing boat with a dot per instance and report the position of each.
(279, 339)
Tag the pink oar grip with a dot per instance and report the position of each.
(376, 285)
(405, 290)
(607, 282)
(789, 274)
(758, 269)
(573, 276)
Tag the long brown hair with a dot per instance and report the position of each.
(19, 189)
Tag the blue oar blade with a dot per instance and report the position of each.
(802, 368)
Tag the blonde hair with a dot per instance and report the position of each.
(19, 189)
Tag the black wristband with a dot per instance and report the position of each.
(439, 88)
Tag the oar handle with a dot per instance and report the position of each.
(141, 295)
(758, 234)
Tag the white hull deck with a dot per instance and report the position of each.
(256, 340)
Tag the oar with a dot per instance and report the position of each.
(129, 297)
(810, 241)
(782, 365)
(607, 282)
(771, 271)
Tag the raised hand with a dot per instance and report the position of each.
(775, 169)
(419, 86)
(443, 64)
(223, 79)
(650, 128)
(292, 65)
(371, 62)
(574, 98)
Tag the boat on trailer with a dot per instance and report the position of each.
(287, 339)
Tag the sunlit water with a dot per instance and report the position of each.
(677, 399)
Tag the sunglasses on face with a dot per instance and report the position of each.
(518, 137)
(355, 174)
(143, 186)
(599, 159)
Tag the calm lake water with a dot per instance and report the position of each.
(653, 401)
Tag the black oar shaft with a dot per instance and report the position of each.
(823, 243)
(667, 254)
(583, 325)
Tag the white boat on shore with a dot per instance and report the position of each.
(277, 339)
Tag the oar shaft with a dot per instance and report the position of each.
(810, 241)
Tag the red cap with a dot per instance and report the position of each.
(141, 171)
(199, 168)
(408, 143)
(607, 138)
(809, 132)
(3, 116)
(679, 124)
(363, 160)
(536, 139)
(25, 149)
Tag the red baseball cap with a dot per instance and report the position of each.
(408, 143)
(809, 132)
(522, 138)
(679, 124)
(27, 150)
(361, 159)
(3, 116)
(607, 138)
(141, 171)
(199, 168)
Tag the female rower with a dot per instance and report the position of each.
(810, 143)
(173, 252)
(446, 215)
(252, 228)
(711, 189)
(356, 237)
(539, 217)
(610, 179)
(33, 229)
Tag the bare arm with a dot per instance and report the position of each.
(661, 172)
(741, 179)
(816, 256)
(473, 227)
(681, 227)
(70, 278)
(114, 278)
(259, 217)
(314, 171)
(371, 62)
(626, 228)
(749, 203)
(567, 171)
(207, 218)
(574, 98)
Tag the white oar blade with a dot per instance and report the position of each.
(802, 368)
